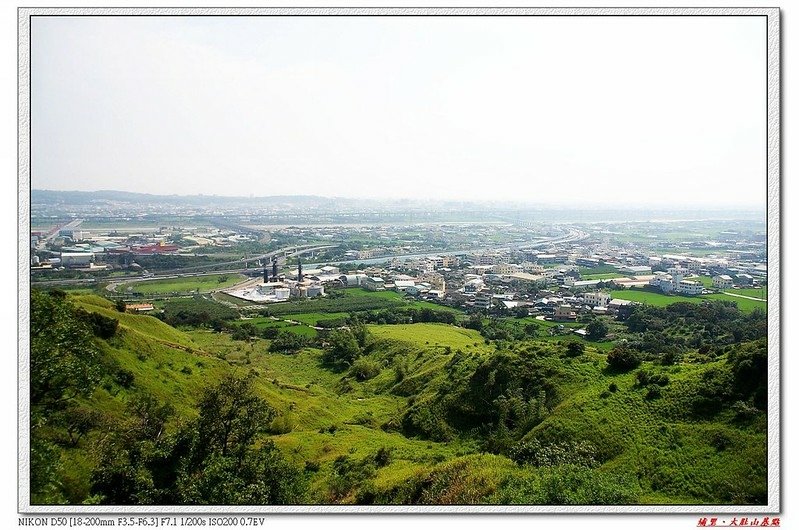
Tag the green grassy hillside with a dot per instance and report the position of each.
(398, 413)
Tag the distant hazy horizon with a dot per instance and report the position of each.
(510, 204)
(585, 111)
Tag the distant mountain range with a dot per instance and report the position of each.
(315, 202)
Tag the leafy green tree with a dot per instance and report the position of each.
(623, 358)
(597, 330)
(77, 421)
(262, 477)
(361, 334)
(65, 364)
(64, 361)
(363, 369)
(575, 348)
(244, 332)
(231, 416)
(749, 366)
(343, 349)
(287, 342)
(215, 459)
(475, 322)
(139, 461)
(225, 465)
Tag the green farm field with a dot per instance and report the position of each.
(430, 335)
(602, 276)
(706, 281)
(202, 284)
(754, 293)
(662, 300)
(744, 304)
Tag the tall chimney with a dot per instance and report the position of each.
(274, 269)
(299, 270)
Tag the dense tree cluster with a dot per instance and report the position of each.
(407, 316)
(145, 456)
(197, 312)
(287, 342)
(212, 460)
(623, 358)
(502, 396)
(65, 365)
(683, 325)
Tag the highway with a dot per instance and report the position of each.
(195, 271)
(54, 231)
(238, 266)
(286, 252)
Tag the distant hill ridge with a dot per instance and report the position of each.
(309, 204)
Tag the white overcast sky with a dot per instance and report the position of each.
(594, 110)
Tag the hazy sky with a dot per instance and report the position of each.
(669, 110)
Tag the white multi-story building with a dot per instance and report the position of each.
(532, 268)
(435, 279)
(482, 299)
(474, 285)
(76, 259)
(722, 281)
(678, 273)
(596, 298)
(492, 258)
(374, 283)
(693, 265)
(505, 268)
(664, 282)
(690, 287)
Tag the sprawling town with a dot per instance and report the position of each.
(553, 271)
(395, 352)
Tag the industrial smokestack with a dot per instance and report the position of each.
(299, 270)
(274, 269)
(266, 273)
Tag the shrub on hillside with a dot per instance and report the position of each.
(343, 349)
(287, 342)
(363, 369)
(645, 377)
(568, 485)
(575, 349)
(102, 326)
(196, 312)
(623, 358)
(534, 453)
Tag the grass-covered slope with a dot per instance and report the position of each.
(435, 413)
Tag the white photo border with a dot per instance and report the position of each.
(773, 212)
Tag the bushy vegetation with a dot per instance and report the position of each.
(285, 342)
(348, 304)
(197, 312)
(422, 412)
(162, 262)
(623, 358)
(211, 460)
(407, 316)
